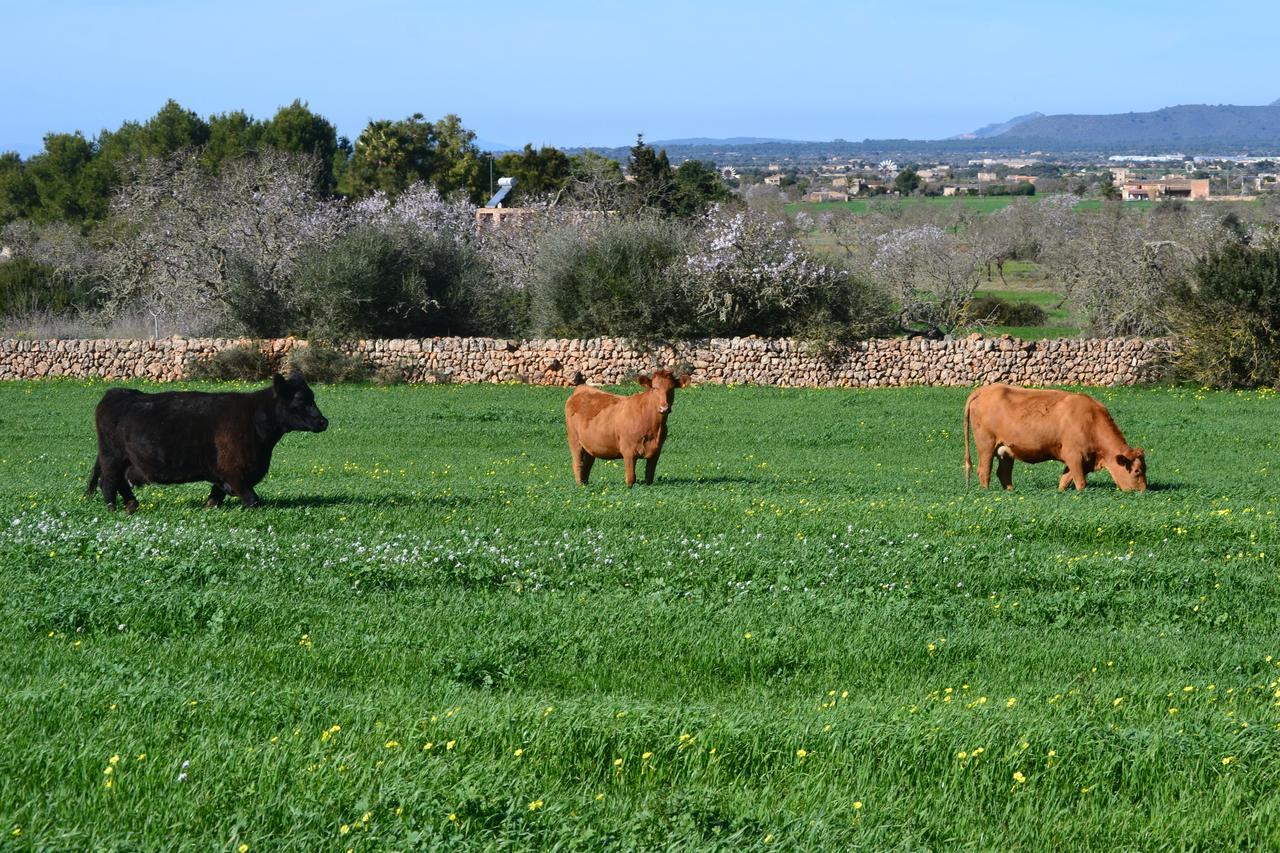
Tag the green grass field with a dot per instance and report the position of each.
(978, 204)
(807, 634)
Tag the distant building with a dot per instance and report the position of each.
(1169, 186)
(498, 217)
(774, 180)
(1022, 179)
(961, 189)
(987, 177)
(826, 195)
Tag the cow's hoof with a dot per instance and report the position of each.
(131, 507)
(212, 504)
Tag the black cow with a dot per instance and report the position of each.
(188, 436)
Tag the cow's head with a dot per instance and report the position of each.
(296, 404)
(663, 383)
(1130, 470)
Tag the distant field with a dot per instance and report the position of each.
(979, 204)
(807, 635)
(1024, 281)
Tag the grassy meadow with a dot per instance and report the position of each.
(976, 204)
(807, 634)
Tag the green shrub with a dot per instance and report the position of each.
(245, 363)
(1227, 327)
(320, 363)
(1004, 312)
(257, 308)
(622, 278)
(375, 283)
(28, 287)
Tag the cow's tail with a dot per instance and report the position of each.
(94, 476)
(968, 464)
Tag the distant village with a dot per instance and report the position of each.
(1135, 178)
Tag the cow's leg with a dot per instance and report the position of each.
(1064, 479)
(111, 473)
(1004, 471)
(581, 460)
(244, 492)
(126, 490)
(650, 467)
(216, 494)
(986, 453)
(629, 462)
(1075, 474)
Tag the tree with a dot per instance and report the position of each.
(181, 239)
(540, 172)
(60, 176)
(173, 129)
(391, 155)
(297, 129)
(458, 162)
(595, 182)
(907, 181)
(650, 184)
(697, 185)
(18, 196)
(231, 136)
(1107, 187)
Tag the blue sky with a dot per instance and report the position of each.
(573, 73)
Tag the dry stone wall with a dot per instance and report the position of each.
(785, 362)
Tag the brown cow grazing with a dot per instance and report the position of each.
(188, 436)
(1032, 425)
(609, 426)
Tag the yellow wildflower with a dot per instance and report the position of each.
(1018, 777)
(1228, 759)
(392, 744)
(450, 744)
(801, 753)
(519, 752)
(535, 805)
(857, 805)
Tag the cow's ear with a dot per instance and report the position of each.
(685, 379)
(644, 380)
(280, 385)
(1124, 461)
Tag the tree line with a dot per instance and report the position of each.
(74, 178)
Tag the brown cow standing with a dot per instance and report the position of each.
(1032, 425)
(610, 426)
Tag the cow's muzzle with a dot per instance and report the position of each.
(662, 410)
(320, 425)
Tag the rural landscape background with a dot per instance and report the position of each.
(809, 633)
